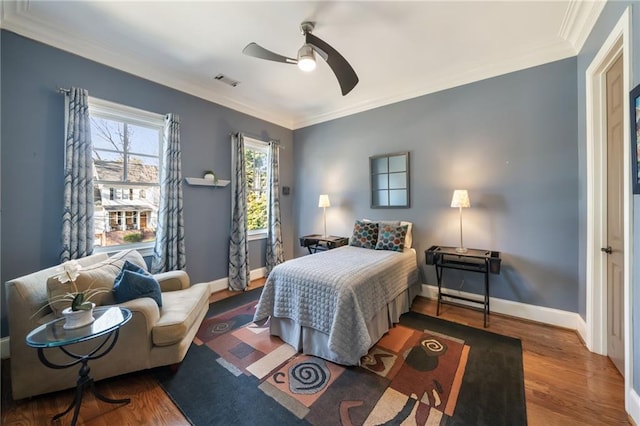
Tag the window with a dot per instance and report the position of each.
(256, 160)
(126, 161)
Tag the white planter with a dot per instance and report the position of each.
(77, 319)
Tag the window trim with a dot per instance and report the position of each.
(115, 111)
(258, 145)
(134, 116)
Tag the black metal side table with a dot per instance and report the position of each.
(108, 321)
(474, 260)
(316, 242)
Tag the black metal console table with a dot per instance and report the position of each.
(474, 260)
(316, 242)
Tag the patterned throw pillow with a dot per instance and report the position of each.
(365, 234)
(391, 237)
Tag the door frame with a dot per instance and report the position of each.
(618, 42)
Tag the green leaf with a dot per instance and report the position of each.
(78, 302)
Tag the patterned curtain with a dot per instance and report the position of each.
(238, 245)
(77, 217)
(275, 252)
(169, 252)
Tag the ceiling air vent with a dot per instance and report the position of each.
(226, 80)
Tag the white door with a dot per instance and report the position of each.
(615, 221)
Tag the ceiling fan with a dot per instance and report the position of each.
(345, 74)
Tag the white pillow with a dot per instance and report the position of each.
(408, 240)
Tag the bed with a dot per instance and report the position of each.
(337, 304)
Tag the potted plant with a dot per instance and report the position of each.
(80, 312)
(209, 175)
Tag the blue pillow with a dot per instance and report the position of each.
(133, 282)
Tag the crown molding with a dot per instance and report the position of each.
(578, 21)
(15, 18)
(577, 24)
(533, 57)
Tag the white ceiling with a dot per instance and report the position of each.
(399, 50)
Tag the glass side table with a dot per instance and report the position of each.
(108, 321)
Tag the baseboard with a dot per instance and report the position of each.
(633, 406)
(582, 330)
(4, 348)
(556, 317)
(223, 283)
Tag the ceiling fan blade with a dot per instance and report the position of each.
(347, 77)
(257, 51)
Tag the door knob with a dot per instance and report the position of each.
(606, 250)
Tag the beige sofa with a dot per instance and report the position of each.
(153, 337)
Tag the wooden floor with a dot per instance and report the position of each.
(565, 384)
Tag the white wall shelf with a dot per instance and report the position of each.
(206, 182)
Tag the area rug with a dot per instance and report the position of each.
(425, 371)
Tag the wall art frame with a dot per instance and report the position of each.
(389, 181)
(634, 111)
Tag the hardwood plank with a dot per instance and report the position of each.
(565, 384)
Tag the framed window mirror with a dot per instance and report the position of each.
(389, 176)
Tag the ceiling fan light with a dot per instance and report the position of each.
(306, 58)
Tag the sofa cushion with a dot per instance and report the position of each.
(179, 313)
(133, 282)
(100, 275)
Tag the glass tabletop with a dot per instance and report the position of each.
(52, 334)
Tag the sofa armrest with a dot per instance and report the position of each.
(173, 280)
(144, 307)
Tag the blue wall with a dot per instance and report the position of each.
(606, 22)
(510, 140)
(32, 157)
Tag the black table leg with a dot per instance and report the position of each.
(439, 277)
(486, 296)
(84, 379)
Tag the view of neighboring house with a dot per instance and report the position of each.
(124, 213)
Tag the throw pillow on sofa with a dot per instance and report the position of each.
(134, 282)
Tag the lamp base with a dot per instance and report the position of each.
(461, 250)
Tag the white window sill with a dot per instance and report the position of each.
(145, 249)
(257, 236)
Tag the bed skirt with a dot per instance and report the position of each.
(313, 342)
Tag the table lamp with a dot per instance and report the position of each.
(460, 199)
(323, 202)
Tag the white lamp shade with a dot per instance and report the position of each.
(323, 201)
(460, 198)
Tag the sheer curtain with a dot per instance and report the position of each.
(275, 252)
(169, 250)
(77, 218)
(239, 273)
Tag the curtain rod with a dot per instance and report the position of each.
(63, 90)
(277, 141)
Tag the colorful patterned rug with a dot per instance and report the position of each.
(425, 371)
